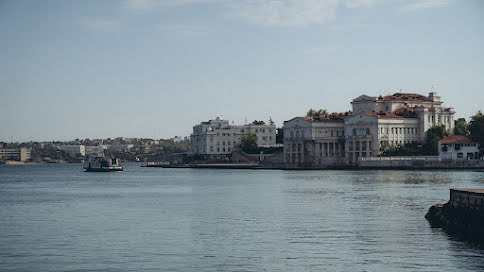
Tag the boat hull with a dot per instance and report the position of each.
(110, 169)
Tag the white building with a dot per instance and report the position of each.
(20, 154)
(217, 138)
(394, 120)
(458, 147)
(375, 124)
(94, 149)
(74, 151)
(312, 141)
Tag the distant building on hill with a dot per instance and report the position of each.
(74, 151)
(16, 154)
(215, 139)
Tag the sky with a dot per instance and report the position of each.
(154, 69)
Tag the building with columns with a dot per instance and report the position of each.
(313, 141)
(376, 123)
(216, 139)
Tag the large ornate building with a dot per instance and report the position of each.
(374, 124)
(215, 139)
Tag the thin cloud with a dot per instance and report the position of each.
(185, 30)
(291, 13)
(424, 4)
(362, 3)
(146, 5)
(139, 5)
(109, 25)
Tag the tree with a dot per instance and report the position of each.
(476, 129)
(316, 113)
(432, 138)
(280, 136)
(461, 127)
(271, 122)
(258, 122)
(249, 143)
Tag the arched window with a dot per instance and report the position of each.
(297, 134)
(292, 134)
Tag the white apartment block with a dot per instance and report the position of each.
(20, 154)
(217, 138)
(374, 124)
(73, 151)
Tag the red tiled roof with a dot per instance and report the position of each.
(322, 118)
(456, 139)
(404, 97)
(385, 115)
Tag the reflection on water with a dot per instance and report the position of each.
(58, 218)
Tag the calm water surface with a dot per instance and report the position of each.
(58, 218)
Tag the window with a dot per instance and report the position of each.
(354, 132)
(331, 133)
(367, 131)
(460, 155)
(292, 134)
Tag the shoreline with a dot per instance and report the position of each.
(336, 167)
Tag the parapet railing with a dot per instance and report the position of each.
(401, 158)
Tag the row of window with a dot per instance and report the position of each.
(361, 131)
(399, 130)
(431, 118)
(223, 149)
(330, 133)
(359, 145)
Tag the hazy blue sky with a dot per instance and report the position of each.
(78, 69)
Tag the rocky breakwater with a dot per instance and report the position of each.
(463, 214)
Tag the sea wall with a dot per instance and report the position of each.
(462, 214)
(424, 162)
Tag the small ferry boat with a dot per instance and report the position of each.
(102, 164)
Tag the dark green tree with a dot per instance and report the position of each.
(280, 136)
(249, 143)
(432, 138)
(258, 122)
(476, 129)
(316, 113)
(461, 127)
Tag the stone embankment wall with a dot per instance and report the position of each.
(463, 214)
(469, 199)
(427, 162)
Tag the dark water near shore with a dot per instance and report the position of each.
(58, 218)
